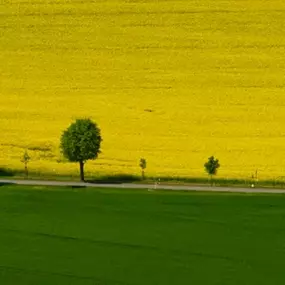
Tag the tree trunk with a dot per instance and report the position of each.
(143, 175)
(81, 164)
(26, 170)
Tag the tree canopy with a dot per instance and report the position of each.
(211, 166)
(81, 142)
(143, 166)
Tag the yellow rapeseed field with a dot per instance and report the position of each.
(172, 81)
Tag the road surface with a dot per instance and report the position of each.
(142, 186)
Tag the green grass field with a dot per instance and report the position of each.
(79, 236)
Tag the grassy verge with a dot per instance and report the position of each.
(33, 175)
(128, 178)
(65, 236)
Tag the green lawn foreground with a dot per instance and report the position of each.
(105, 236)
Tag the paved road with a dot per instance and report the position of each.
(142, 186)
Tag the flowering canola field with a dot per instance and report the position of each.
(172, 81)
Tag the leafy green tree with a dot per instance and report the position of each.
(211, 167)
(143, 167)
(81, 142)
(26, 159)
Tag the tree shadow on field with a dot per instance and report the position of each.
(115, 179)
(6, 172)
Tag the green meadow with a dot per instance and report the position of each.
(80, 236)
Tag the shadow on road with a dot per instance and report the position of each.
(115, 179)
(78, 187)
(6, 183)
